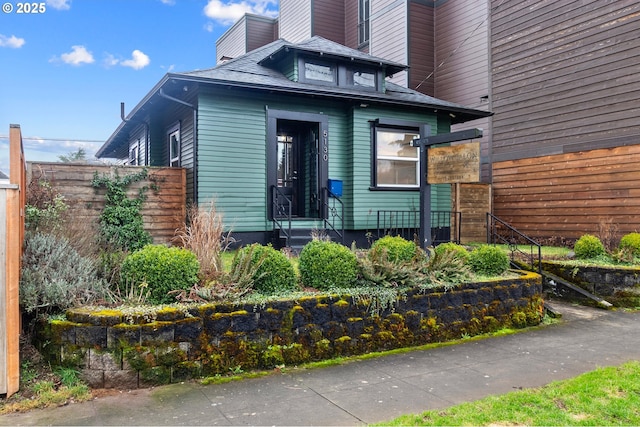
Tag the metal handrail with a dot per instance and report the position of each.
(500, 232)
(281, 212)
(332, 213)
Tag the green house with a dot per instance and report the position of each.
(291, 138)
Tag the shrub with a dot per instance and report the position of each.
(163, 269)
(447, 266)
(398, 249)
(325, 264)
(275, 272)
(55, 277)
(488, 260)
(458, 251)
(588, 246)
(631, 243)
(375, 269)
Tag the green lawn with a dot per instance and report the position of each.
(606, 396)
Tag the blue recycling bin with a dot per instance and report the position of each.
(335, 187)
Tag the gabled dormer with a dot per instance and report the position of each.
(311, 63)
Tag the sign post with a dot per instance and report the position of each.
(444, 159)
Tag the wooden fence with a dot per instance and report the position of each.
(473, 201)
(570, 194)
(12, 203)
(163, 211)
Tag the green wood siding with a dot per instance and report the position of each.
(232, 165)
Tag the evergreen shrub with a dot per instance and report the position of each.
(588, 246)
(631, 243)
(324, 265)
(458, 251)
(163, 269)
(55, 276)
(398, 249)
(275, 272)
(488, 260)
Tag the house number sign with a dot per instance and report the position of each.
(325, 146)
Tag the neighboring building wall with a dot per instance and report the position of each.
(295, 23)
(565, 97)
(328, 19)
(389, 34)
(249, 33)
(462, 65)
(421, 47)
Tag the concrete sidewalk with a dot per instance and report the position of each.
(375, 390)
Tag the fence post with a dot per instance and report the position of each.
(13, 231)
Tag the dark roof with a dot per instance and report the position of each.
(251, 71)
(3, 176)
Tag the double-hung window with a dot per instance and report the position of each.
(363, 21)
(397, 163)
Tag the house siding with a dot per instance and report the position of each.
(232, 165)
(351, 25)
(328, 20)
(260, 31)
(233, 42)
(389, 34)
(564, 75)
(421, 47)
(295, 24)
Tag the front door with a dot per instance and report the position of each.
(297, 166)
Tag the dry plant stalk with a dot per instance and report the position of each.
(204, 235)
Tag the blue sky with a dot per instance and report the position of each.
(64, 72)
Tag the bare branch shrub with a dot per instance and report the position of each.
(204, 235)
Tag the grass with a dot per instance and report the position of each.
(606, 396)
(40, 387)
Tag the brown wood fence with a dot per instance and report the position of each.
(473, 201)
(163, 211)
(568, 195)
(12, 203)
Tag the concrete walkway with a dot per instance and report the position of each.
(375, 390)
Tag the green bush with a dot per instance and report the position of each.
(458, 251)
(275, 273)
(631, 243)
(324, 265)
(398, 249)
(588, 246)
(55, 277)
(163, 269)
(488, 260)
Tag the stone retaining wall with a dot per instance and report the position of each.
(620, 285)
(114, 349)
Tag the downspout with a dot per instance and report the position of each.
(195, 139)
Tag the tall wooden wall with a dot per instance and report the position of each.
(473, 201)
(163, 212)
(567, 195)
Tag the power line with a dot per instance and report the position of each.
(36, 138)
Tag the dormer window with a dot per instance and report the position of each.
(319, 72)
(362, 78)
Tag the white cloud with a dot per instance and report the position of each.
(79, 55)
(110, 60)
(59, 4)
(228, 12)
(12, 41)
(138, 60)
(168, 2)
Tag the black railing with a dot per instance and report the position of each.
(445, 225)
(521, 246)
(334, 214)
(281, 212)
